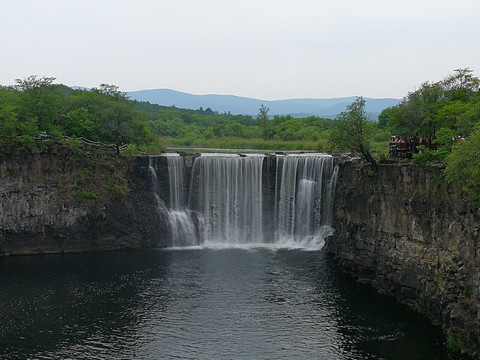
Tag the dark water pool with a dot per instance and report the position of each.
(201, 304)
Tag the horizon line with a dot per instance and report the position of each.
(259, 99)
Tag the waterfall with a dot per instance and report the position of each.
(227, 191)
(160, 205)
(304, 193)
(332, 183)
(225, 198)
(181, 220)
(176, 182)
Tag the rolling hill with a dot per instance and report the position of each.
(249, 106)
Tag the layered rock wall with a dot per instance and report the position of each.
(398, 228)
(39, 214)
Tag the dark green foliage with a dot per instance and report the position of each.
(75, 145)
(447, 113)
(42, 101)
(27, 144)
(353, 131)
(204, 128)
(36, 108)
(116, 187)
(264, 123)
(463, 167)
(452, 103)
(454, 343)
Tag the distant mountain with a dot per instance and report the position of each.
(249, 106)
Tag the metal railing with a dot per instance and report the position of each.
(98, 144)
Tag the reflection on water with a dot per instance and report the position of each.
(201, 304)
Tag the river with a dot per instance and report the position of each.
(202, 303)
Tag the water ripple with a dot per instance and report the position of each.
(201, 304)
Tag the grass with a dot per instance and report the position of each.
(379, 148)
(156, 146)
(240, 143)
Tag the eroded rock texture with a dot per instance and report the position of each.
(40, 214)
(398, 228)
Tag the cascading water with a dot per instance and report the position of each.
(181, 220)
(225, 202)
(227, 191)
(304, 192)
(160, 205)
(176, 182)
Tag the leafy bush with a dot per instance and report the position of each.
(381, 135)
(131, 150)
(27, 144)
(75, 145)
(425, 157)
(463, 170)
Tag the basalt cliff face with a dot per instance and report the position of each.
(45, 209)
(398, 229)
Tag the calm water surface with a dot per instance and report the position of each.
(201, 304)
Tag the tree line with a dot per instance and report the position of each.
(446, 114)
(184, 126)
(36, 106)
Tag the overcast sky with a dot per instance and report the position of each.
(267, 49)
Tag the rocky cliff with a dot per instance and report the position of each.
(57, 202)
(397, 226)
(399, 230)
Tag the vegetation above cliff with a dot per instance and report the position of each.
(36, 108)
(447, 115)
(35, 105)
(353, 131)
(206, 128)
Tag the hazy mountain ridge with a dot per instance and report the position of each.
(249, 106)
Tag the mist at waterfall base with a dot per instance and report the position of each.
(228, 203)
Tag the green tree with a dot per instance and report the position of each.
(236, 130)
(263, 122)
(385, 117)
(463, 170)
(449, 103)
(79, 122)
(9, 123)
(352, 131)
(119, 121)
(461, 85)
(41, 101)
(15, 130)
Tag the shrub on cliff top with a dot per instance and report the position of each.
(353, 132)
(462, 171)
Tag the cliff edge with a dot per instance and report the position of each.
(58, 202)
(398, 229)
